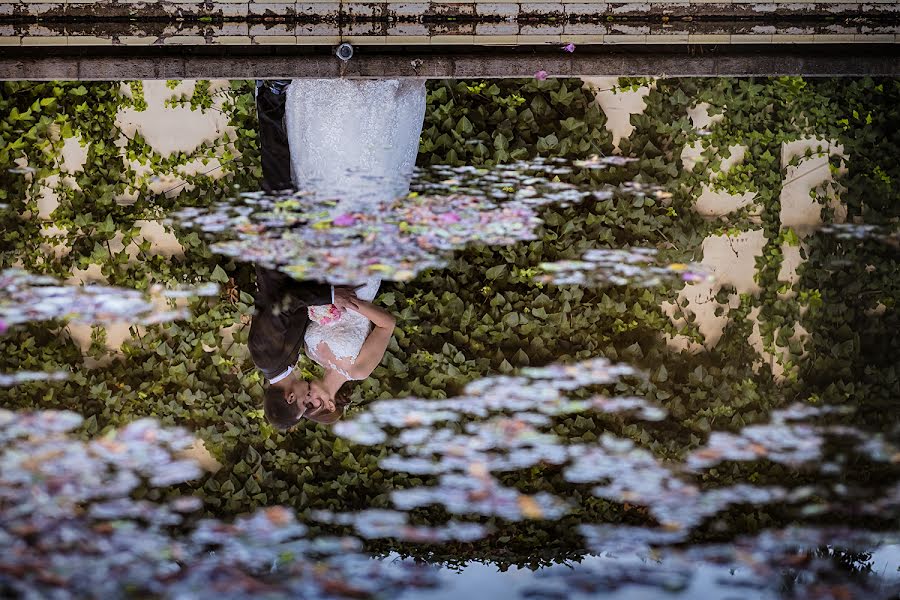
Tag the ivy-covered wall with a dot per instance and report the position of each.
(485, 313)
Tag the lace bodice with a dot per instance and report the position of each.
(336, 344)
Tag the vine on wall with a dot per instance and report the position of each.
(484, 314)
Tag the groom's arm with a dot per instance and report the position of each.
(282, 292)
(307, 293)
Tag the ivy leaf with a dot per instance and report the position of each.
(219, 275)
(547, 143)
(662, 375)
(790, 237)
(387, 299)
(464, 125)
(495, 272)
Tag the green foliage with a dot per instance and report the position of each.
(487, 123)
(199, 99)
(484, 314)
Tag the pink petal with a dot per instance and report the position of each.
(449, 218)
(570, 47)
(540, 75)
(344, 220)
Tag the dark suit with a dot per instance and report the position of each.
(273, 142)
(279, 325)
(281, 319)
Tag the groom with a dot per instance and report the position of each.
(279, 325)
(276, 339)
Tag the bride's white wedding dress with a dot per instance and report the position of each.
(354, 141)
(336, 345)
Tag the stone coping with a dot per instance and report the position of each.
(254, 62)
(537, 5)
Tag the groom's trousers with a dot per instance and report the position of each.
(273, 140)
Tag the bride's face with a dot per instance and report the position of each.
(320, 397)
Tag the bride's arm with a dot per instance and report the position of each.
(376, 314)
(373, 349)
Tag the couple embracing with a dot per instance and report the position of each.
(333, 138)
(338, 327)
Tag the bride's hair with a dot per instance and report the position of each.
(342, 396)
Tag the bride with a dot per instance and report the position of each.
(348, 348)
(355, 142)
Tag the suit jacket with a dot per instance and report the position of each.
(279, 325)
(281, 319)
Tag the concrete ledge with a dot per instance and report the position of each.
(473, 41)
(192, 34)
(249, 62)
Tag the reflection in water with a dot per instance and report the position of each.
(25, 298)
(343, 133)
(368, 130)
(338, 328)
(394, 238)
(350, 217)
(578, 331)
(96, 540)
(619, 267)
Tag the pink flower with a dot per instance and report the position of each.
(325, 314)
(570, 47)
(344, 220)
(541, 75)
(450, 217)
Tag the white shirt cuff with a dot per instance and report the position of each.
(282, 375)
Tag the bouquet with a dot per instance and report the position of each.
(324, 314)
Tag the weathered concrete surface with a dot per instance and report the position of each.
(291, 62)
(191, 23)
(534, 10)
(618, 105)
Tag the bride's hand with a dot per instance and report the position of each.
(353, 304)
(344, 296)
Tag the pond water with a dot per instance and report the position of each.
(543, 338)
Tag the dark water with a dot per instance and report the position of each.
(632, 339)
